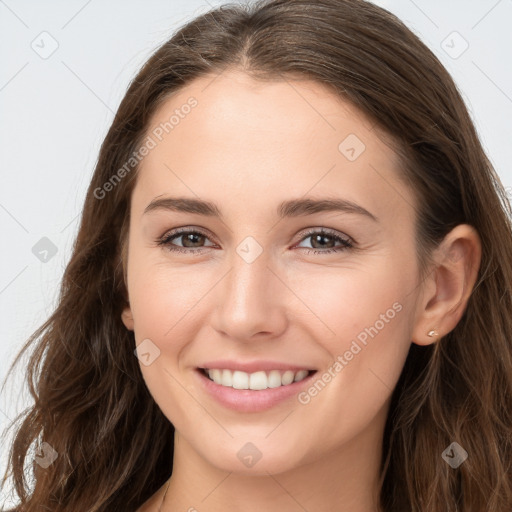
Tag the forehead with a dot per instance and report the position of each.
(231, 135)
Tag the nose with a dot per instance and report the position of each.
(251, 300)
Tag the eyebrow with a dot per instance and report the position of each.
(289, 208)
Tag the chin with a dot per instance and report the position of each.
(258, 458)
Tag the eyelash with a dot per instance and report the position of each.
(165, 241)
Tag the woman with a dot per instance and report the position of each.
(294, 228)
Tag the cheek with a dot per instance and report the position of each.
(362, 320)
(164, 299)
(165, 304)
(345, 301)
(368, 348)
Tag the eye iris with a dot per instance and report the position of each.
(192, 237)
(317, 238)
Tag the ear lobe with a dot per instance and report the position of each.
(127, 318)
(450, 284)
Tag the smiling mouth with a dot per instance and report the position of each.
(255, 381)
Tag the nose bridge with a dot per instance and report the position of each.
(250, 299)
(250, 275)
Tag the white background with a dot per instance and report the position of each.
(54, 113)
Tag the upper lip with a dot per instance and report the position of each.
(253, 366)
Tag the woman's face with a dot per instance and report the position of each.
(258, 293)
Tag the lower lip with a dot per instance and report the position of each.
(250, 400)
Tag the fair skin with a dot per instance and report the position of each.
(247, 147)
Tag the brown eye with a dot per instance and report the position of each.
(323, 241)
(190, 240)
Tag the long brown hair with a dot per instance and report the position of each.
(91, 404)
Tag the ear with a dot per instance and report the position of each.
(449, 285)
(127, 318)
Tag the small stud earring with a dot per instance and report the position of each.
(432, 333)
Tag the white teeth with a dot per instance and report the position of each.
(240, 380)
(287, 377)
(302, 374)
(274, 379)
(227, 378)
(257, 380)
